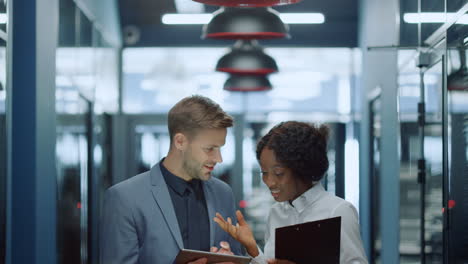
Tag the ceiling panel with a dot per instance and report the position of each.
(339, 29)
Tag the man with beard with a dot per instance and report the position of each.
(148, 218)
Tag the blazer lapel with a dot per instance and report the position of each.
(163, 200)
(209, 197)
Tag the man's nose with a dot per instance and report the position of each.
(218, 157)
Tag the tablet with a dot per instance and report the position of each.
(187, 255)
(311, 242)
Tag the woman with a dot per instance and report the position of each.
(293, 159)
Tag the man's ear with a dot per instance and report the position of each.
(180, 141)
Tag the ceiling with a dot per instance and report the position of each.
(144, 17)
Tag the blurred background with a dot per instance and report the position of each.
(85, 87)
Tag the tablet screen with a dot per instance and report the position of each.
(187, 255)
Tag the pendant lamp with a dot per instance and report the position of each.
(247, 83)
(248, 3)
(245, 23)
(247, 57)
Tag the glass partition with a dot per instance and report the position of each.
(322, 78)
(421, 113)
(433, 156)
(457, 122)
(86, 91)
(375, 126)
(410, 190)
(3, 133)
(72, 183)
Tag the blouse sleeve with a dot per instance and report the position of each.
(261, 258)
(351, 251)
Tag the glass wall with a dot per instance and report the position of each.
(375, 130)
(3, 130)
(322, 80)
(457, 127)
(433, 152)
(86, 93)
(421, 174)
(323, 85)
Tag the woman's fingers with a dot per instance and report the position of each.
(221, 224)
(218, 215)
(226, 226)
(240, 218)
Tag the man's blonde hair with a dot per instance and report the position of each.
(194, 113)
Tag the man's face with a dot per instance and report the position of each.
(203, 152)
(283, 185)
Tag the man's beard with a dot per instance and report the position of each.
(191, 167)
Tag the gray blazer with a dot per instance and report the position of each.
(139, 224)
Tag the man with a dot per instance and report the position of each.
(148, 218)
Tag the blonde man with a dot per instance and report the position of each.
(148, 218)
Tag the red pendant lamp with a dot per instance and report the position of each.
(247, 57)
(247, 83)
(245, 23)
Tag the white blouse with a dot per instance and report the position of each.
(316, 204)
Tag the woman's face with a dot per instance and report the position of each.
(283, 185)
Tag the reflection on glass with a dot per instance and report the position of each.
(106, 74)
(434, 171)
(151, 145)
(3, 148)
(457, 86)
(409, 94)
(375, 146)
(72, 184)
(412, 203)
(317, 75)
(86, 72)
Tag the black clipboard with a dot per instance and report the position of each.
(187, 255)
(311, 242)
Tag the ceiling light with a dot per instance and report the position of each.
(432, 17)
(181, 19)
(245, 23)
(248, 3)
(247, 57)
(201, 19)
(302, 18)
(3, 18)
(187, 6)
(247, 83)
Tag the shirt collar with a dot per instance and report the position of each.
(176, 183)
(308, 197)
(179, 185)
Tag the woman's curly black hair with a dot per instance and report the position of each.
(299, 146)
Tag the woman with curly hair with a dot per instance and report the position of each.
(293, 159)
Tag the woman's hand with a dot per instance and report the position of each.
(240, 232)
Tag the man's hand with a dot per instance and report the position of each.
(240, 232)
(199, 261)
(279, 261)
(224, 248)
